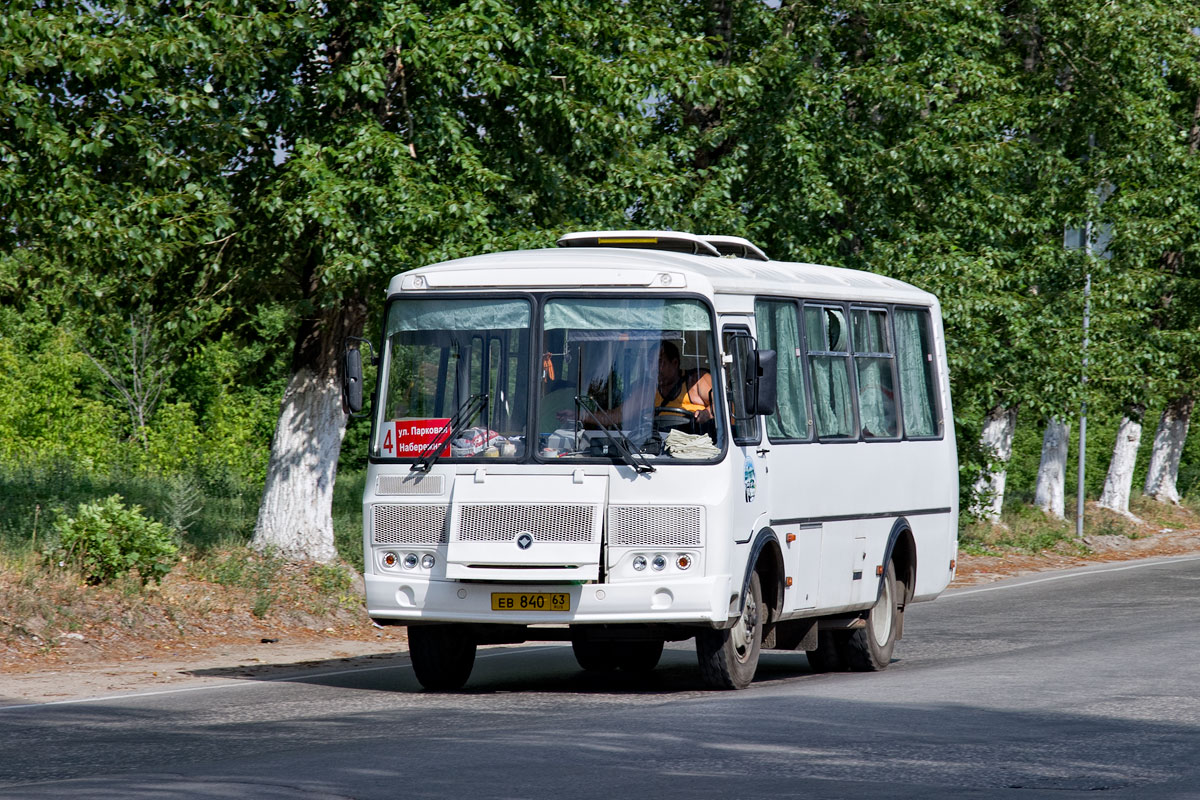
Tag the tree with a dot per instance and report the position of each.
(414, 136)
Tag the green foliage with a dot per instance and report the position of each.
(1024, 530)
(333, 579)
(50, 408)
(245, 569)
(244, 177)
(105, 540)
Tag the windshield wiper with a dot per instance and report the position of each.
(456, 425)
(638, 461)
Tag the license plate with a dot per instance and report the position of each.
(531, 601)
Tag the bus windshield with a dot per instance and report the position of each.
(613, 378)
(627, 372)
(456, 366)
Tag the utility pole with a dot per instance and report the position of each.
(1087, 308)
(1088, 246)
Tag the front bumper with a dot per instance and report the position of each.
(692, 600)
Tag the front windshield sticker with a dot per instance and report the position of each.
(410, 437)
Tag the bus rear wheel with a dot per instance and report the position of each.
(729, 658)
(640, 656)
(442, 656)
(829, 655)
(602, 656)
(870, 649)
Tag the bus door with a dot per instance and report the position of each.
(751, 453)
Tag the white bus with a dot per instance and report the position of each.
(640, 437)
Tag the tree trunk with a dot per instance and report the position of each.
(997, 439)
(1050, 495)
(1168, 447)
(1119, 481)
(295, 518)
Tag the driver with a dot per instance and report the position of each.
(690, 391)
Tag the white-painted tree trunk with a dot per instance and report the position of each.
(1050, 495)
(1168, 447)
(997, 437)
(295, 517)
(1119, 482)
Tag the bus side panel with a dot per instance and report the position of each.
(857, 491)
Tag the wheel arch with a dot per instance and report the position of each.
(901, 550)
(766, 558)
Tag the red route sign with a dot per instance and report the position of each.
(408, 438)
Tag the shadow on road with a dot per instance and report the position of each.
(531, 668)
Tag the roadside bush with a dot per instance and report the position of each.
(106, 539)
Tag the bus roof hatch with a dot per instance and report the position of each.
(673, 241)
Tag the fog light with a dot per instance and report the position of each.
(660, 562)
(427, 561)
(683, 561)
(639, 563)
(410, 561)
(390, 559)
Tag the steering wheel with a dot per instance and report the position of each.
(673, 417)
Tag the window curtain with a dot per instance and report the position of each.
(457, 315)
(833, 407)
(779, 330)
(627, 314)
(916, 373)
(876, 396)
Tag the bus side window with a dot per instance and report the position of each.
(739, 344)
(778, 330)
(918, 373)
(873, 361)
(828, 342)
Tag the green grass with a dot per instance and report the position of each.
(33, 497)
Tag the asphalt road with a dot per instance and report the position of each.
(1067, 684)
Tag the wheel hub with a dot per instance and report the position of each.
(743, 631)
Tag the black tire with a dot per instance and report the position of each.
(729, 658)
(595, 656)
(442, 656)
(829, 655)
(869, 649)
(639, 657)
(601, 656)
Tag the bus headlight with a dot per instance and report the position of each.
(427, 561)
(390, 559)
(639, 563)
(683, 561)
(410, 561)
(660, 562)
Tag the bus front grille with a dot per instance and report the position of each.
(409, 483)
(656, 526)
(409, 524)
(546, 523)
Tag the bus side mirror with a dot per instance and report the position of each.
(352, 379)
(760, 382)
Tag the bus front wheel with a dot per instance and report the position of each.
(442, 656)
(729, 658)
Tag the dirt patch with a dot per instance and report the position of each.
(1173, 532)
(75, 642)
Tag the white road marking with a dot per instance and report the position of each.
(1079, 572)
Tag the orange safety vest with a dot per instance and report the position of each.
(681, 400)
